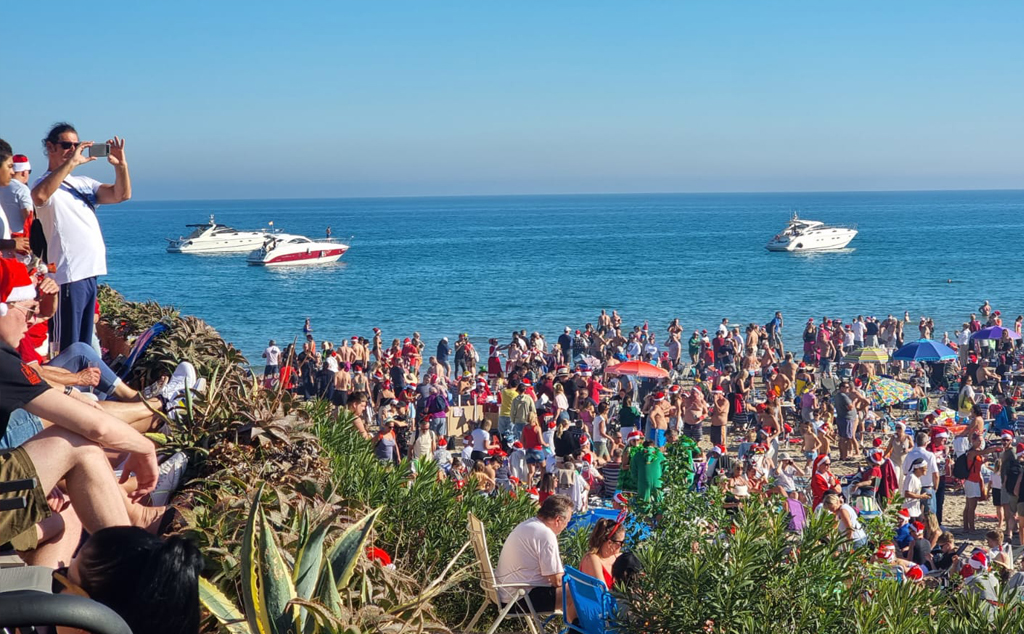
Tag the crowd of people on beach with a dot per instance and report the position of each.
(82, 490)
(576, 421)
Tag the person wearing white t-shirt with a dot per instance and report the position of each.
(18, 210)
(858, 331)
(273, 356)
(7, 178)
(530, 556)
(66, 208)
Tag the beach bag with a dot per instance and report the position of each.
(960, 468)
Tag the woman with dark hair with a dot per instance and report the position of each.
(151, 583)
(605, 545)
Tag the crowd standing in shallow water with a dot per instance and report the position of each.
(597, 416)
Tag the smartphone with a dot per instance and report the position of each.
(98, 150)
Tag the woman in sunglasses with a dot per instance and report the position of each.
(605, 546)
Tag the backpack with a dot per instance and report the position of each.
(960, 468)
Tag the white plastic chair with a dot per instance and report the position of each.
(490, 586)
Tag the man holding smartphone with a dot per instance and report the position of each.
(66, 208)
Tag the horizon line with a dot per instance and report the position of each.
(632, 193)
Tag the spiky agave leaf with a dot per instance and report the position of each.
(222, 608)
(345, 553)
(278, 589)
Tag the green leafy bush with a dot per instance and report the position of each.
(706, 571)
(425, 518)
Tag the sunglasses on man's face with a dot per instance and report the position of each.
(67, 145)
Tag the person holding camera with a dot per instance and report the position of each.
(66, 209)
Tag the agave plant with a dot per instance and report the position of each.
(314, 594)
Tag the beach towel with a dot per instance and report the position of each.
(890, 483)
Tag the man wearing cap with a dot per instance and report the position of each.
(930, 479)
(66, 208)
(72, 449)
(16, 204)
(911, 488)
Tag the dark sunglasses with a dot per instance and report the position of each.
(67, 145)
(617, 541)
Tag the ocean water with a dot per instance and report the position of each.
(488, 265)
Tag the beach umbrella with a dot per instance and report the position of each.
(885, 392)
(994, 332)
(925, 350)
(638, 369)
(867, 355)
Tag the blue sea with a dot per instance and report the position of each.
(488, 265)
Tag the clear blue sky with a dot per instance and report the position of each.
(274, 99)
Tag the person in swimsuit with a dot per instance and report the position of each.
(604, 547)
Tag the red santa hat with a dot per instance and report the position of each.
(877, 442)
(718, 449)
(939, 432)
(442, 442)
(467, 439)
(634, 435)
(876, 457)
(978, 561)
(621, 499)
(376, 554)
(526, 381)
(1020, 449)
(916, 527)
(674, 389)
(552, 424)
(903, 516)
(534, 494)
(15, 284)
(915, 574)
(588, 458)
(21, 164)
(517, 445)
(1006, 435)
(886, 551)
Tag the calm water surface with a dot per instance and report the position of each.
(488, 265)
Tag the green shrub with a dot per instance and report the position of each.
(424, 523)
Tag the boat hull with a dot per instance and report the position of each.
(318, 256)
(229, 246)
(828, 240)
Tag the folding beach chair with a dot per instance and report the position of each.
(490, 586)
(595, 606)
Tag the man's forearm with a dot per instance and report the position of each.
(122, 183)
(56, 376)
(88, 422)
(47, 187)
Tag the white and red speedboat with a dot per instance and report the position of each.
(285, 249)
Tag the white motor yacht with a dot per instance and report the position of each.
(285, 249)
(211, 237)
(811, 235)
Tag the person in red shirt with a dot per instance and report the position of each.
(823, 480)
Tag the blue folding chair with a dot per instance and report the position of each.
(595, 606)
